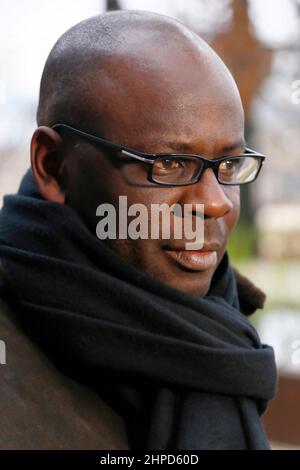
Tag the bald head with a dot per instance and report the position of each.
(108, 57)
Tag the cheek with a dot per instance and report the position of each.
(233, 194)
(149, 195)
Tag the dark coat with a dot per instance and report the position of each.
(41, 408)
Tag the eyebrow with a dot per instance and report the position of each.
(182, 146)
(229, 148)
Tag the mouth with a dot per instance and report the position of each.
(195, 260)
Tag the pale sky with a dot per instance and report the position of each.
(28, 30)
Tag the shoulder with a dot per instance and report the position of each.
(251, 297)
(41, 408)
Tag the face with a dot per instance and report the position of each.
(180, 102)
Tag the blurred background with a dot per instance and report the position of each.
(259, 40)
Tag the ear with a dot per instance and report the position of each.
(48, 164)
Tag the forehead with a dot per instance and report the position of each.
(172, 92)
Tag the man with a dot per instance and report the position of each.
(156, 333)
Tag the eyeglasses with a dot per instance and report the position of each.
(170, 169)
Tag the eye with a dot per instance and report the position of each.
(229, 166)
(168, 164)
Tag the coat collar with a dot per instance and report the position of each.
(251, 297)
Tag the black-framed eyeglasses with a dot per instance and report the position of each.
(171, 169)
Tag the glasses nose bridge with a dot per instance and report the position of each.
(214, 165)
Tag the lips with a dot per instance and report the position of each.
(194, 260)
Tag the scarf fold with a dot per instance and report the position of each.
(185, 372)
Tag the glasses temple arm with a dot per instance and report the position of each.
(104, 142)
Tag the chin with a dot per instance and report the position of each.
(181, 276)
(197, 283)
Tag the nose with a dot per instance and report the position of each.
(211, 193)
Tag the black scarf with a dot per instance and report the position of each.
(185, 372)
